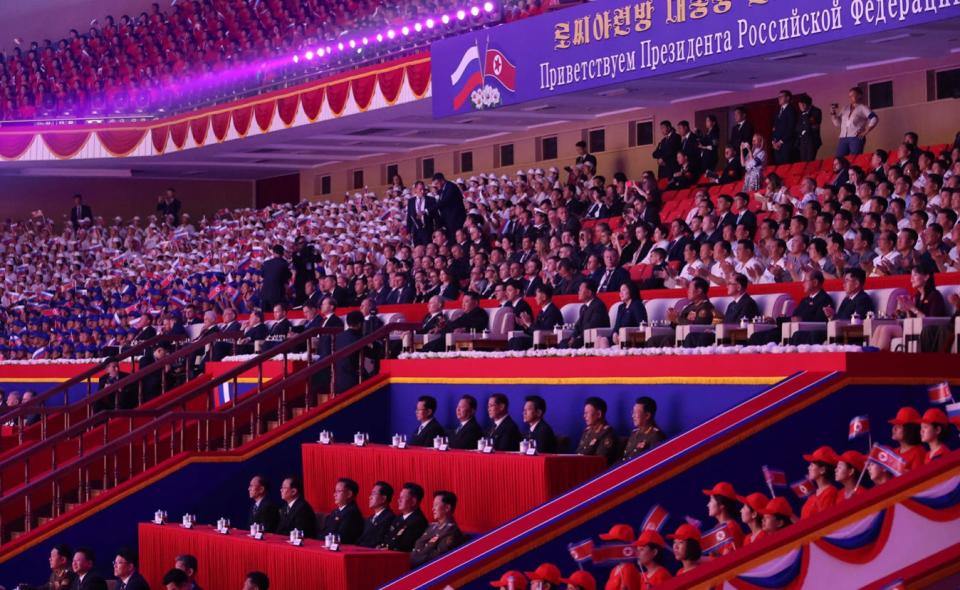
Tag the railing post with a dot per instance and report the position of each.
(27, 516)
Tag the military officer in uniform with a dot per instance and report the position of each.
(598, 437)
(61, 576)
(698, 311)
(409, 525)
(441, 536)
(646, 434)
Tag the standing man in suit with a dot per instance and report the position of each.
(168, 207)
(295, 513)
(449, 205)
(467, 432)
(79, 211)
(87, 579)
(666, 152)
(345, 520)
(276, 275)
(262, 511)
(548, 318)
(784, 129)
(428, 427)
(125, 570)
(584, 157)
(742, 131)
(442, 535)
(534, 408)
(808, 129)
(305, 259)
(111, 377)
(347, 368)
(421, 209)
(612, 276)
(503, 430)
(375, 527)
(593, 314)
(409, 525)
(690, 147)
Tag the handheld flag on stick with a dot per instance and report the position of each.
(581, 551)
(774, 477)
(888, 459)
(940, 393)
(802, 488)
(655, 519)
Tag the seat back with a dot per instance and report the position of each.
(947, 291)
(571, 312)
(885, 300)
(193, 330)
(392, 318)
(721, 303)
(499, 320)
(657, 308)
(775, 305)
(613, 311)
(452, 314)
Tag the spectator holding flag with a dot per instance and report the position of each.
(723, 505)
(751, 513)
(849, 473)
(776, 514)
(650, 547)
(822, 472)
(935, 429)
(905, 430)
(883, 463)
(686, 547)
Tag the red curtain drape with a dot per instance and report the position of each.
(220, 122)
(263, 112)
(65, 145)
(472, 476)
(312, 102)
(418, 76)
(337, 96)
(287, 108)
(363, 90)
(178, 133)
(159, 137)
(241, 119)
(198, 127)
(120, 142)
(13, 145)
(391, 81)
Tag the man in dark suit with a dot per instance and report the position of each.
(168, 207)
(503, 430)
(111, 377)
(229, 324)
(276, 275)
(856, 301)
(810, 309)
(742, 306)
(584, 157)
(421, 209)
(548, 318)
(474, 318)
(568, 278)
(742, 131)
(783, 138)
(666, 152)
(295, 512)
(125, 570)
(400, 293)
(79, 211)
(87, 579)
(449, 205)
(746, 217)
(376, 525)
(187, 563)
(613, 275)
(808, 129)
(534, 408)
(514, 290)
(379, 290)
(732, 167)
(593, 314)
(690, 147)
(467, 432)
(347, 368)
(410, 523)
(345, 520)
(262, 511)
(428, 427)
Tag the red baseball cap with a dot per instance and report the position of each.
(686, 532)
(935, 416)
(582, 579)
(756, 501)
(519, 581)
(906, 415)
(619, 532)
(778, 505)
(722, 489)
(650, 537)
(546, 572)
(823, 455)
(857, 460)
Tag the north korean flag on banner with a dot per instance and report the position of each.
(888, 459)
(619, 552)
(498, 67)
(655, 519)
(859, 426)
(716, 538)
(940, 393)
(802, 488)
(581, 551)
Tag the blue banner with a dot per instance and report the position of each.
(610, 41)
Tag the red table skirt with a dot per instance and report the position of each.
(225, 559)
(490, 488)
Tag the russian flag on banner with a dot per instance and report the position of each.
(499, 68)
(940, 393)
(774, 477)
(859, 426)
(460, 78)
(802, 488)
(224, 394)
(618, 552)
(888, 459)
(716, 538)
(581, 551)
(655, 519)
(953, 413)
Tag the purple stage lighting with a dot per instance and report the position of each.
(474, 11)
(296, 59)
(418, 27)
(379, 38)
(320, 52)
(405, 30)
(309, 55)
(488, 6)
(353, 44)
(461, 14)
(365, 41)
(391, 34)
(339, 46)
(429, 23)
(445, 19)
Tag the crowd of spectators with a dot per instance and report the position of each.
(100, 283)
(165, 58)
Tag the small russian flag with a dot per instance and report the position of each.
(581, 551)
(940, 393)
(953, 413)
(802, 488)
(655, 519)
(774, 477)
(859, 426)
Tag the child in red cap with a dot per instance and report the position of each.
(752, 515)
(905, 430)
(650, 547)
(822, 472)
(724, 506)
(849, 467)
(934, 432)
(686, 547)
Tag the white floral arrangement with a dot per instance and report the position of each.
(95, 361)
(485, 97)
(242, 358)
(622, 352)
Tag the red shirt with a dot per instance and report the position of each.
(657, 578)
(915, 457)
(931, 455)
(819, 502)
(751, 538)
(842, 495)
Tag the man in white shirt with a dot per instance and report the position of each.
(748, 264)
(855, 122)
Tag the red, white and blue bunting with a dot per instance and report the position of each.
(940, 503)
(786, 572)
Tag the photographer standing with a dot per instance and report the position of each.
(855, 122)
